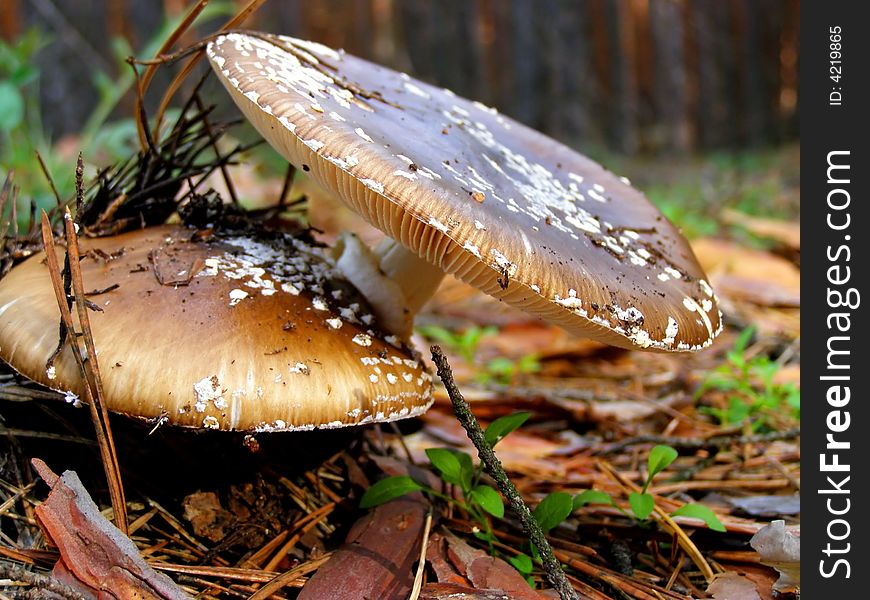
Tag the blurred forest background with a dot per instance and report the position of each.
(630, 75)
(696, 101)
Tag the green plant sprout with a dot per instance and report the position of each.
(481, 501)
(753, 393)
(642, 504)
(465, 343)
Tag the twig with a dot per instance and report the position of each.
(552, 567)
(50, 179)
(228, 181)
(288, 184)
(288, 578)
(38, 581)
(88, 371)
(421, 565)
(238, 19)
(719, 441)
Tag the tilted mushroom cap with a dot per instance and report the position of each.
(501, 206)
(236, 333)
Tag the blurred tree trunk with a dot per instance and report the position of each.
(10, 20)
(671, 85)
(566, 52)
(525, 61)
(717, 79)
(641, 74)
(622, 102)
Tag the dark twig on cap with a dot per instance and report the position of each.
(491, 463)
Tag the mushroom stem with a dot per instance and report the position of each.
(417, 277)
(394, 280)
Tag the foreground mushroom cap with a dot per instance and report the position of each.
(235, 333)
(501, 206)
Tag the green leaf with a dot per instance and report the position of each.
(591, 497)
(659, 459)
(489, 500)
(502, 426)
(743, 339)
(699, 511)
(439, 334)
(388, 489)
(454, 467)
(553, 509)
(11, 106)
(641, 505)
(522, 563)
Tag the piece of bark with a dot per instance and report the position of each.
(94, 553)
(378, 558)
(453, 591)
(487, 572)
(436, 556)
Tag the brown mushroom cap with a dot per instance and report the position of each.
(501, 206)
(236, 333)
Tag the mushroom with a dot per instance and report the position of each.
(461, 189)
(235, 333)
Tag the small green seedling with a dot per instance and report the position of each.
(466, 342)
(753, 394)
(456, 468)
(642, 504)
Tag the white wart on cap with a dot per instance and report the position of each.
(236, 333)
(501, 206)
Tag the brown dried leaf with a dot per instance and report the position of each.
(781, 549)
(752, 275)
(785, 232)
(206, 515)
(732, 586)
(93, 551)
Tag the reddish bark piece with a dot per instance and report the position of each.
(436, 555)
(93, 551)
(452, 591)
(488, 572)
(378, 559)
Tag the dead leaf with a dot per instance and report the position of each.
(206, 515)
(781, 549)
(739, 273)
(768, 505)
(786, 233)
(94, 553)
(732, 586)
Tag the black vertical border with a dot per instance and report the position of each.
(824, 129)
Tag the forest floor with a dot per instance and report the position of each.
(226, 517)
